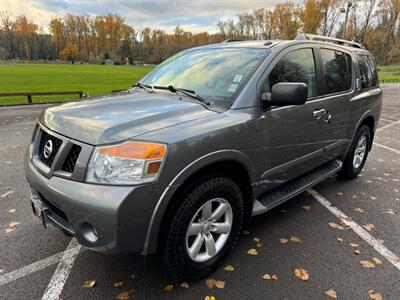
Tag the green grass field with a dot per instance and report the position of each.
(93, 80)
(389, 72)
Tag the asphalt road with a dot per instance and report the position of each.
(30, 255)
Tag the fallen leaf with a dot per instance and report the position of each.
(220, 284)
(270, 277)
(336, 226)
(295, 239)
(339, 193)
(259, 245)
(339, 239)
(283, 240)
(209, 298)
(89, 283)
(357, 251)
(390, 211)
(374, 295)
(184, 285)
(301, 274)
(354, 196)
(252, 251)
(118, 283)
(12, 224)
(358, 209)
(13, 210)
(306, 207)
(210, 282)
(123, 296)
(6, 194)
(168, 288)
(331, 293)
(369, 226)
(8, 230)
(245, 232)
(373, 198)
(367, 264)
(354, 245)
(377, 261)
(256, 239)
(229, 268)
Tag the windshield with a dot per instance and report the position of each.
(214, 73)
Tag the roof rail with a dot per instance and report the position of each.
(232, 40)
(313, 37)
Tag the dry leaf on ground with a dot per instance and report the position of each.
(259, 245)
(359, 209)
(118, 283)
(220, 284)
(169, 288)
(89, 283)
(283, 240)
(123, 296)
(229, 268)
(336, 226)
(390, 211)
(377, 261)
(339, 239)
(295, 239)
(12, 224)
(13, 210)
(369, 226)
(374, 295)
(306, 207)
(209, 298)
(184, 285)
(331, 293)
(8, 230)
(270, 277)
(367, 264)
(256, 239)
(6, 194)
(301, 274)
(357, 251)
(252, 251)
(339, 193)
(210, 282)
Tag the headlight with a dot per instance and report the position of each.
(127, 163)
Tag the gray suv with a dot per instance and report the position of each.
(179, 164)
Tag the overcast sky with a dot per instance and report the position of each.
(194, 15)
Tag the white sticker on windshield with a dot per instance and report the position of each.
(232, 88)
(238, 78)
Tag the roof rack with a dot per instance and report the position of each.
(233, 40)
(313, 37)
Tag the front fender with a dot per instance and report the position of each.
(153, 230)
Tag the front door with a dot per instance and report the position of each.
(293, 136)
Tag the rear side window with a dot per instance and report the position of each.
(296, 66)
(337, 67)
(368, 71)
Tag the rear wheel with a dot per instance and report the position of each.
(203, 228)
(357, 155)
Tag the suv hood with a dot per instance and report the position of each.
(117, 118)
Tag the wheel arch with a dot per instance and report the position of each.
(230, 163)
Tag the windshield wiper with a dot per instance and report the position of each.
(186, 92)
(146, 87)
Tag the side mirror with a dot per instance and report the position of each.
(286, 93)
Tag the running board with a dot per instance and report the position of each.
(294, 187)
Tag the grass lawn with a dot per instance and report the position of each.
(93, 80)
(389, 72)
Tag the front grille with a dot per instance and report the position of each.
(70, 162)
(56, 146)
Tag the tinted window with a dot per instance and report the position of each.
(337, 66)
(368, 71)
(296, 66)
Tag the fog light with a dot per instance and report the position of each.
(89, 232)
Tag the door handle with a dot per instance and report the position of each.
(318, 113)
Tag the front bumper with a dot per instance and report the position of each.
(119, 214)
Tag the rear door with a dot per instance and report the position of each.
(338, 90)
(293, 136)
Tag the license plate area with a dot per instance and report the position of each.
(38, 207)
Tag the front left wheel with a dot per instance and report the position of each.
(203, 227)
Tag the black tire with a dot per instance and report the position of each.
(176, 258)
(348, 170)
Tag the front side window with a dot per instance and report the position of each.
(337, 67)
(296, 66)
(213, 73)
(368, 72)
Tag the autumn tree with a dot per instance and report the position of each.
(311, 16)
(69, 53)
